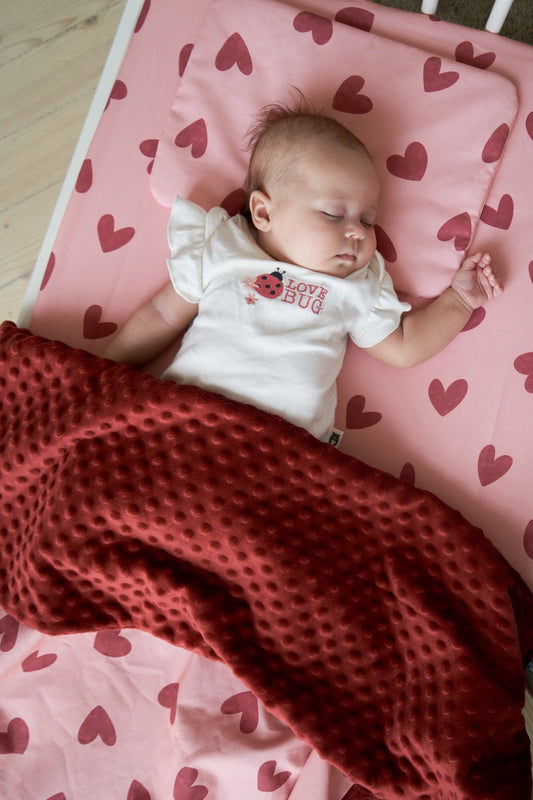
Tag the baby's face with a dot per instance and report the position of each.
(323, 219)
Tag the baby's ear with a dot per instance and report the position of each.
(260, 210)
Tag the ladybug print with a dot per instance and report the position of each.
(269, 285)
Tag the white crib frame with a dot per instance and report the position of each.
(497, 16)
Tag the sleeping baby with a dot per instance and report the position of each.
(267, 301)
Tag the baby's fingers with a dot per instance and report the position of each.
(477, 260)
(490, 281)
(494, 280)
(482, 260)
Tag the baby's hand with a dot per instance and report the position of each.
(475, 281)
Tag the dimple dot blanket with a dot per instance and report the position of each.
(376, 621)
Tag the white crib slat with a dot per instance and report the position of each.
(429, 6)
(497, 16)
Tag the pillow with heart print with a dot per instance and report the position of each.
(435, 140)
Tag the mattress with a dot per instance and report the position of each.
(114, 707)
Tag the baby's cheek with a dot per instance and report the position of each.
(370, 244)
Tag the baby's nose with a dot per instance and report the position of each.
(355, 230)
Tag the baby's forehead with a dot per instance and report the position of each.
(324, 153)
(334, 171)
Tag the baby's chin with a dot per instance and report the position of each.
(340, 267)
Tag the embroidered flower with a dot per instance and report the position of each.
(250, 284)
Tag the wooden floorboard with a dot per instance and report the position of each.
(51, 56)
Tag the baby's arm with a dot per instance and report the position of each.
(152, 328)
(425, 332)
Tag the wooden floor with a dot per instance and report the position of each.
(51, 56)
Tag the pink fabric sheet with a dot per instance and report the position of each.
(459, 425)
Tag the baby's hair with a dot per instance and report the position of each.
(279, 129)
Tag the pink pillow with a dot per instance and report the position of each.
(436, 128)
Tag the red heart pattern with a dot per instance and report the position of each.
(434, 79)
(528, 539)
(495, 143)
(149, 149)
(385, 245)
(524, 365)
(234, 52)
(464, 54)
(9, 630)
(195, 137)
(356, 417)
(348, 98)
(118, 92)
(112, 238)
(93, 328)
(85, 177)
(490, 467)
(235, 202)
(445, 400)
(138, 792)
(320, 28)
(184, 785)
(60, 796)
(245, 704)
(185, 54)
(16, 738)
(411, 166)
(478, 315)
(168, 698)
(356, 17)
(35, 662)
(407, 474)
(97, 724)
(268, 780)
(112, 643)
(500, 217)
(143, 15)
(529, 124)
(48, 271)
(458, 228)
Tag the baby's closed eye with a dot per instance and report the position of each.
(333, 217)
(341, 217)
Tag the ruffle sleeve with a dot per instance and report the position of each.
(189, 228)
(386, 309)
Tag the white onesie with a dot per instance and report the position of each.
(269, 333)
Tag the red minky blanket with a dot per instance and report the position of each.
(376, 621)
